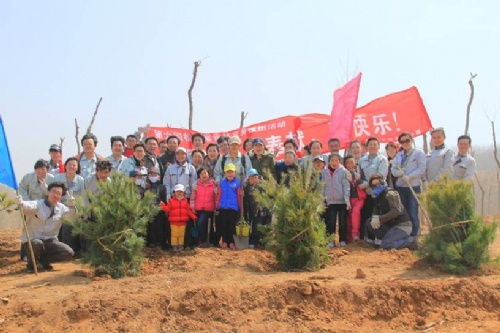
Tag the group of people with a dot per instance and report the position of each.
(205, 191)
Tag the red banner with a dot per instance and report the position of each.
(384, 118)
(387, 117)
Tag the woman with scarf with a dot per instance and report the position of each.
(390, 221)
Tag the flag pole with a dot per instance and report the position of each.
(25, 227)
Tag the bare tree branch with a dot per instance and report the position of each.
(482, 193)
(471, 97)
(190, 92)
(242, 119)
(495, 150)
(76, 137)
(426, 144)
(89, 129)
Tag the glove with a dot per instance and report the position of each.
(375, 222)
(406, 178)
(18, 200)
(348, 205)
(70, 202)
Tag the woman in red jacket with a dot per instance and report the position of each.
(179, 212)
(202, 201)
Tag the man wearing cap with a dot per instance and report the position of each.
(234, 156)
(181, 172)
(117, 149)
(261, 160)
(440, 160)
(464, 165)
(56, 165)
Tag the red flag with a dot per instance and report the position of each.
(386, 117)
(344, 104)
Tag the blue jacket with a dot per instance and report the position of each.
(229, 194)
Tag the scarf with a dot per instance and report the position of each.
(378, 190)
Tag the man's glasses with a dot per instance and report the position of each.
(404, 141)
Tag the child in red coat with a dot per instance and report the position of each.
(179, 213)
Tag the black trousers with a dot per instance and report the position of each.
(225, 224)
(366, 214)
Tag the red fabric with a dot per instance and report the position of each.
(344, 104)
(178, 211)
(385, 118)
(203, 196)
(388, 116)
(128, 152)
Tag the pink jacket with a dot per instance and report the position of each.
(203, 195)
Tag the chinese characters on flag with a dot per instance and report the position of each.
(385, 118)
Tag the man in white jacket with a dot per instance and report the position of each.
(464, 165)
(43, 221)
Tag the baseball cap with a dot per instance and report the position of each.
(55, 147)
(319, 158)
(234, 139)
(182, 149)
(257, 141)
(179, 187)
(252, 172)
(229, 167)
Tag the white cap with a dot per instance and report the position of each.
(179, 187)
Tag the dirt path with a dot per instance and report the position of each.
(213, 290)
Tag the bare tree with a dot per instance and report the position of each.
(425, 143)
(482, 193)
(190, 92)
(471, 97)
(242, 119)
(77, 137)
(89, 129)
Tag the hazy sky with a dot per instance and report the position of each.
(270, 58)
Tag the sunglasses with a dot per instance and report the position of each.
(405, 141)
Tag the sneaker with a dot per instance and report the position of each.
(25, 258)
(413, 246)
(342, 244)
(223, 246)
(232, 246)
(355, 239)
(377, 242)
(369, 241)
(331, 245)
(251, 246)
(48, 267)
(175, 248)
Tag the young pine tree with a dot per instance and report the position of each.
(459, 239)
(297, 234)
(114, 223)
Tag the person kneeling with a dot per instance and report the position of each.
(390, 221)
(43, 221)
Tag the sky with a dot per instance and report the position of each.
(268, 58)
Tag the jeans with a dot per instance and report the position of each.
(411, 205)
(392, 238)
(366, 214)
(202, 222)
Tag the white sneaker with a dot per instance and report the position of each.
(378, 241)
(342, 244)
(251, 246)
(331, 245)
(369, 241)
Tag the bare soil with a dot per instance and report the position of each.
(213, 290)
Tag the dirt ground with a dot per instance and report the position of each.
(215, 290)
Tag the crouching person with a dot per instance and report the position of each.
(390, 221)
(43, 221)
